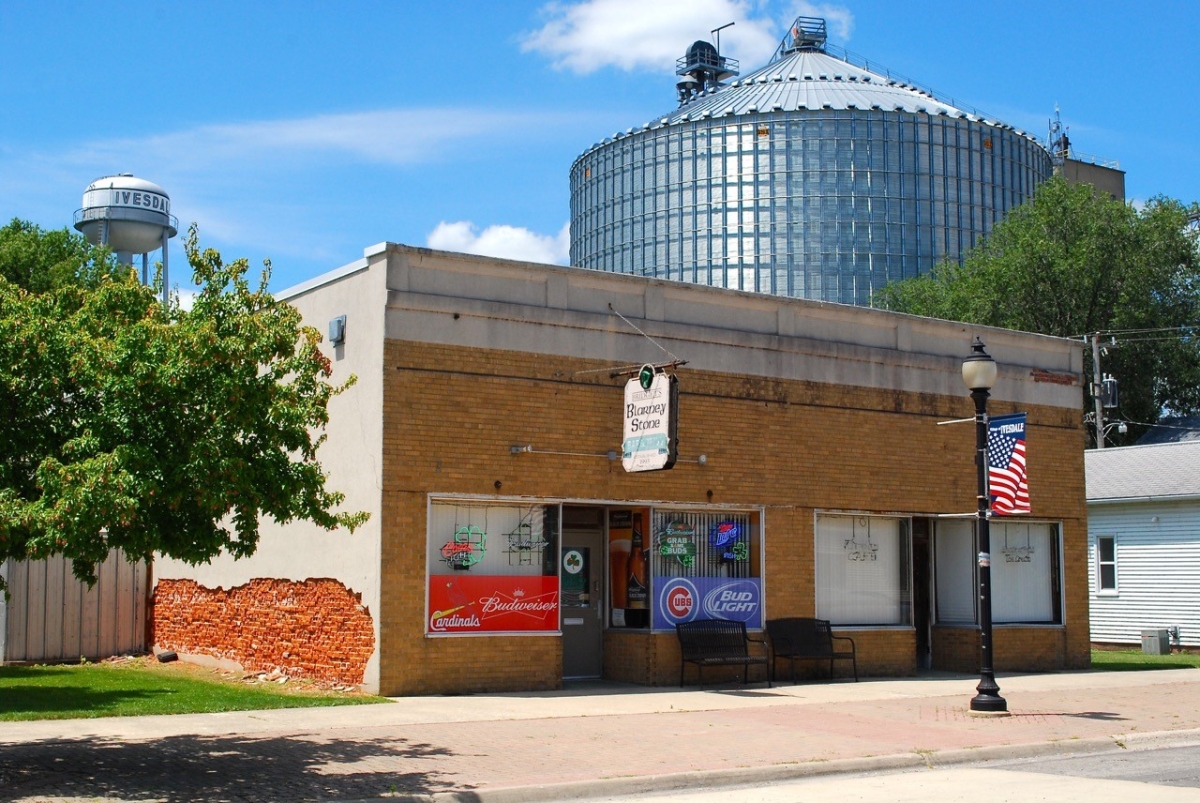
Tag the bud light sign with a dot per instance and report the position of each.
(682, 599)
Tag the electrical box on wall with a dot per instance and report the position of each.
(337, 330)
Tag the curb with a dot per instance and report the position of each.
(746, 776)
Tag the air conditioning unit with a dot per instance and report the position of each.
(1156, 642)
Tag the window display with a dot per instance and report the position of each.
(699, 564)
(492, 568)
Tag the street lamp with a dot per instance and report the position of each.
(979, 374)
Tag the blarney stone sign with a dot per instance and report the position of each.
(650, 413)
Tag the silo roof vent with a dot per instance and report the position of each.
(807, 33)
(702, 68)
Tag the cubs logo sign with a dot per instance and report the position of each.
(677, 601)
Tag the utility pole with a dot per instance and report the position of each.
(1097, 387)
(1104, 391)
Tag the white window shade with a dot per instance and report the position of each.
(860, 561)
(1022, 572)
(954, 563)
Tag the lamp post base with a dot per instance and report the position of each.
(988, 714)
(989, 702)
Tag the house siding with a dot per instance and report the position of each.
(1158, 570)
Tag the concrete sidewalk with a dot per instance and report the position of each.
(589, 739)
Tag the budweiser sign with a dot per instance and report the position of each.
(492, 604)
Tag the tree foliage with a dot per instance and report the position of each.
(129, 424)
(1071, 263)
(40, 260)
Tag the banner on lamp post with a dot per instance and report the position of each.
(1008, 485)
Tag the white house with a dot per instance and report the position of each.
(1144, 541)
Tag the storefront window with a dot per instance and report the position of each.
(699, 565)
(1025, 572)
(492, 568)
(863, 571)
(954, 570)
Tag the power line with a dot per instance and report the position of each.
(1122, 332)
(1161, 426)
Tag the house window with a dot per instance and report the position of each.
(863, 570)
(1106, 563)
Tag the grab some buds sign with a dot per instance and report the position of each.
(651, 421)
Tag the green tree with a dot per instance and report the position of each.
(40, 260)
(1072, 263)
(129, 424)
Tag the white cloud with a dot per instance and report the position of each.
(261, 187)
(389, 136)
(505, 242)
(634, 34)
(187, 297)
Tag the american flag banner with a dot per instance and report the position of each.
(1008, 486)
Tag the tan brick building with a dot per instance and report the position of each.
(485, 437)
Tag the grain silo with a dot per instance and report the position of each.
(818, 176)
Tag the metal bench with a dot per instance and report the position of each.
(803, 639)
(717, 642)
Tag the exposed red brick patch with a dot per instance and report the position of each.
(317, 629)
(1048, 376)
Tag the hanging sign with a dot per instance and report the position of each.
(651, 421)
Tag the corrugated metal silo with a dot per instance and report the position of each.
(812, 177)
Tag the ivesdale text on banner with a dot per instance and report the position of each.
(1008, 486)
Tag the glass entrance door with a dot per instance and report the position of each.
(581, 567)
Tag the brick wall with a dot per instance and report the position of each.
(632, 657)
(451, 414)
(316, 629)
(471, 664)
(890, 652)
(1014, 648)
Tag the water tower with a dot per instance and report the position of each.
(131, 216)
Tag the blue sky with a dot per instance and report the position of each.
(306, 131)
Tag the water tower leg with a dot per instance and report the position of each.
(166, 284)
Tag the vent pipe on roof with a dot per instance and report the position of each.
(703, 68)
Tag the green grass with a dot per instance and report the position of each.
(135, 687)
(1136, 660)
